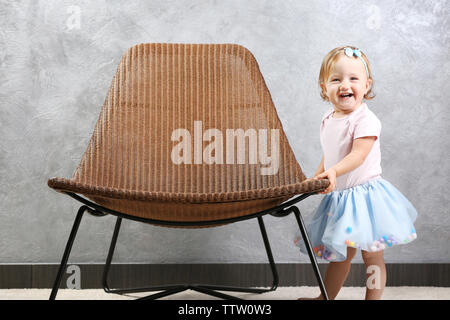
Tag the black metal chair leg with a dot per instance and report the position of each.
(302, 227)
(177, 288)
(166, 289)
(214, 293)
(165, 293)
(272, 267)
(171, 289)
(269, 254)
(110, 256)
(67, 250)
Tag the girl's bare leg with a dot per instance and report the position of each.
(335, 276)
(376, 274)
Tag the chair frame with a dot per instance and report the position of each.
(281, 210)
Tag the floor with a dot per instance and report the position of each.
(282, 293)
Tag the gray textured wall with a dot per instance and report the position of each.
(57, 59)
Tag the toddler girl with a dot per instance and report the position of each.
(361, 210)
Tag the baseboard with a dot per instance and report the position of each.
(258, 275)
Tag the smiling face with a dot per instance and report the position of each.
(346, 85)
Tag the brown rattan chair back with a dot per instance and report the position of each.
(160, 148)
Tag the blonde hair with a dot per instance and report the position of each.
(329, 61)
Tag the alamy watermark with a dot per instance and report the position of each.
(213, 153)
(74, 280)
(74, 20)
(373, 22)
(374, 280)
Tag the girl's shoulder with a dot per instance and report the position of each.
(327, 114)
(364, 123)
(365, 116)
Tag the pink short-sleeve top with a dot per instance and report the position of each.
(336, 138)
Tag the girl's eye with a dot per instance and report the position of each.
(335, 80)
(354, 78)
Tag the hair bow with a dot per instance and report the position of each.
(349, 52)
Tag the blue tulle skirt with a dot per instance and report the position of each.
(371, 217)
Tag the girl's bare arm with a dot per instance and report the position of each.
(360, 149)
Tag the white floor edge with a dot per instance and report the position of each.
(282, 293)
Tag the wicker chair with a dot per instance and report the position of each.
(188, 137)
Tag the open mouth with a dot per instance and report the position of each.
(346, 95)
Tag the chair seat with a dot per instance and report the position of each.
(181, 207)
(71, 185)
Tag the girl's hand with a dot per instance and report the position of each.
(330, 174)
